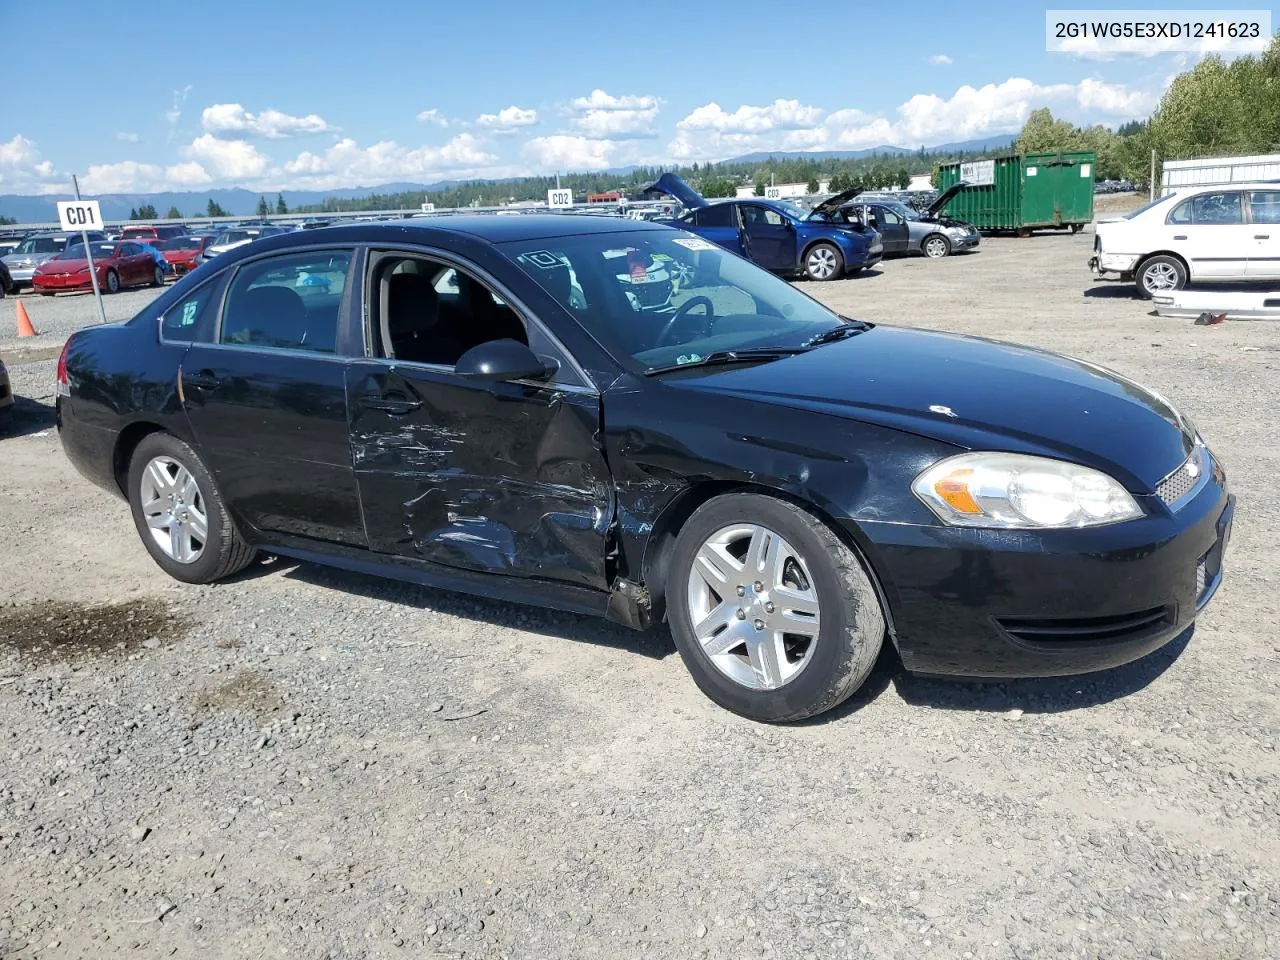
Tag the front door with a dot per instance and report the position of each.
(771, 238)
(136, 265)
(504, 478)
(1209, 230)
(1264, 227)
(266, 399)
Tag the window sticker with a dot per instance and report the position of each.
(189, 310)
(687, 357)
(544, 259)
(694, 243)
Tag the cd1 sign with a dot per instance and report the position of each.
(79, 215)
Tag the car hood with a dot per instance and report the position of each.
(945, 197)
(830, 205)
(670, 185)
(976, 394)
(14, 259)
(67, 266)
(188, 254)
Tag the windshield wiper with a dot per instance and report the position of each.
(720, 357)
(850, 328)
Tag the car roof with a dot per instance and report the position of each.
(498, 229)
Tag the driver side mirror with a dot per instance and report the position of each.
(500, 360)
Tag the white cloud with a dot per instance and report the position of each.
(508, 119)
(941, 59)
(433, 116)
(22, 170)
(174, 113)
(127, 137)
(127, 176)
(602, 116)
(231, 119)
(189, 174)
(779, 115)
(1114, 99)
(346, 163)
(563, 153)
(227, 159)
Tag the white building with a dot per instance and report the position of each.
(1211, 171)
(920, 182)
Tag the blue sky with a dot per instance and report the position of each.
(324, 94)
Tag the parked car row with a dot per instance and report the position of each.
(841, 235)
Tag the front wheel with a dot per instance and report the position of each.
(823, 262)
(180, 515)
(113, 282)
(936, 246)
(1160, 274)
(772, 613)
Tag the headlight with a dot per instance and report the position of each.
(1017, 492)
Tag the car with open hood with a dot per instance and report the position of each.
(483, 404)
(905, 230)
(778, 235)
(183, 253)
(35, 249)
(118, 264)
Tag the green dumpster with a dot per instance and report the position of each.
(1022, 192)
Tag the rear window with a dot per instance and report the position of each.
(289, 302)
(1264, 206)
(180, 243)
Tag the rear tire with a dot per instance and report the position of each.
(1160, 274)
(184, 546)
(157, 279)
(113, 282)
(823, 261)
(805, 630)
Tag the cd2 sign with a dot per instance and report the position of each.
(559, 198)
(79, 215)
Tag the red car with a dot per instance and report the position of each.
(183, 253)
(152, 234)
(121, 263)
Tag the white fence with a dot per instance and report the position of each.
(1211, 171)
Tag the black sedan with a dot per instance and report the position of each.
(492, 405)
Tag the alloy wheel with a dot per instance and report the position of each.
(935, 247)
(1159, 277)
(174, 509)
(821, 263)
(753, 606)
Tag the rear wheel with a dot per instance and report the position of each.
(823, 262)
(157, 278)
(180, 515)
(1160, 274)
(773, 615)
(113, 282)
(935, 246)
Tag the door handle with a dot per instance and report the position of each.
(392, 406)
(204, 380)
(1262, 236)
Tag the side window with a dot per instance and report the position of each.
(129, 249)
(1217, 208)
(287, 302)
(431, 312)
(716, 215)
(191, 319)
(1181, 214)
(889, 217)
(1264, 206)
(772, 217)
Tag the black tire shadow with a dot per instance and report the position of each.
(27, 417)
(1119, 290)
(655, 643)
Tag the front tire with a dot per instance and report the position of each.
(1160, 274)
(824, 262)
(935, 246)
(773, 615)
(113, 282)
(179, 513)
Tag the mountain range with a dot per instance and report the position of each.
(240, 202)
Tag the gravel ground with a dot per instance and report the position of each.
(307, 763)
(55, 318)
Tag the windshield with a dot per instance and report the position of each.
(665, 297)
(1148, 205)
(42, 245)
(233, 236)
(180, 243)
(794, 209)
(76, 252)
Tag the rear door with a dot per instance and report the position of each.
(266, 399)
(771, 238)
(506, 478)
(129, 262)
(718, 222)
(1264, 228)
(1209, 230)
(891, 226)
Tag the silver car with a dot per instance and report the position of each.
(238, 237)
(907, 230)
(36, 249)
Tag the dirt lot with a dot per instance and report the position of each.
(312, 764)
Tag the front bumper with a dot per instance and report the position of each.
(966, 242)
(77, 281)
(1003, 603)
(21, 276)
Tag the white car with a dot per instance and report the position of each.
(1195, 234)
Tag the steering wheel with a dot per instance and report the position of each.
(680, 313)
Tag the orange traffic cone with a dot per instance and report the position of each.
(25, 329)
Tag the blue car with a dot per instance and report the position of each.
(777, 235)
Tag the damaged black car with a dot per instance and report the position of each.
(624, 419)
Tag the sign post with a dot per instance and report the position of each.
(81, 215)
